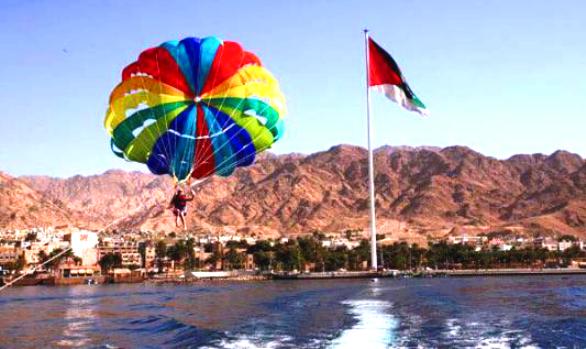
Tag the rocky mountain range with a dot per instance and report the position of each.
(421, 192)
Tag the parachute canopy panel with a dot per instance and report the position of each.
(194, 108)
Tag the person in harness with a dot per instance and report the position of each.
(179, 206)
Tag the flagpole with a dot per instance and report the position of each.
(373, 260)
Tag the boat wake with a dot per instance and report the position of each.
(375, 328)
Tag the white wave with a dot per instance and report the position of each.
(454, 329)
(375, 327)
(251, 342)
(478, 335)
(506, 340)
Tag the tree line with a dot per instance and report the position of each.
(308, 253)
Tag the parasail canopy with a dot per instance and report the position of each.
(194, 108)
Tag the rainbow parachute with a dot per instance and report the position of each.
(195, 107)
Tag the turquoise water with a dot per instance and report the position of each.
(503, 312)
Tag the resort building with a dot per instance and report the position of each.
(9, 254)
(150, 256)
(467, 240)
(128, 250)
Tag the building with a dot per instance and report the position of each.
(150, 256)
(68, 269)
(9, 254)
(128, 251)
(467, 240)
(505, 247)
(565, 244)
(547, 243)
(249, 262)
(31, 256)
(83, 245)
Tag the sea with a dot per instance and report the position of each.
(475, 312)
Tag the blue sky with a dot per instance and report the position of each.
(501, 77)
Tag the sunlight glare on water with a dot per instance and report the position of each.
(374, 328)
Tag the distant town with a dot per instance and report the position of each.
(68, 255)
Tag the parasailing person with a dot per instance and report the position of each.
(179, 205)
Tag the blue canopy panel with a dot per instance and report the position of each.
(239, 139)
(174, 150)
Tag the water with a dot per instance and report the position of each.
(503, 312)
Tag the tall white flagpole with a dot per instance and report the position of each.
(373, 263)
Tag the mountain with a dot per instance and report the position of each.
(22, 206)
(421, 192)
(105, 197)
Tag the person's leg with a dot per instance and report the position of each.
(183, 220)
(176, 218)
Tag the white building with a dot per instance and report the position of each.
(83, 245)
(565, 244)
(505, 247)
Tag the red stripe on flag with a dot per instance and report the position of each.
(382, 68)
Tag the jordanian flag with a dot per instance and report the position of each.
(385, 76)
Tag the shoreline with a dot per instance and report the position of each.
(247, 277)
(512, 272)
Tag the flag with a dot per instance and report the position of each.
(385, 76)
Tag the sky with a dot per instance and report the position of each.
(501, 77)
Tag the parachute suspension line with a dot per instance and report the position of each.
(152, 136)
(32, 270)
(241, 149)
(242, 129)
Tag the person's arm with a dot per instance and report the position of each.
(191, 194)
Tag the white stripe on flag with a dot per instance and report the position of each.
(397, 95)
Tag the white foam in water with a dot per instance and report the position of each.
(250, 342)
(476, 335)
(375, 327)
(506, 340)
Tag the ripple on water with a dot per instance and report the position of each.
(481, 312)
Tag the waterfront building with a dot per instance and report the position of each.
(249, 262)
(250, 240)
(31, 255)
(9, 254)
(150, 256)
(565, 244)
(83, 245)
(467, 240)
(550, 244)
(68, 269)
(505, 247)
(128, 251)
